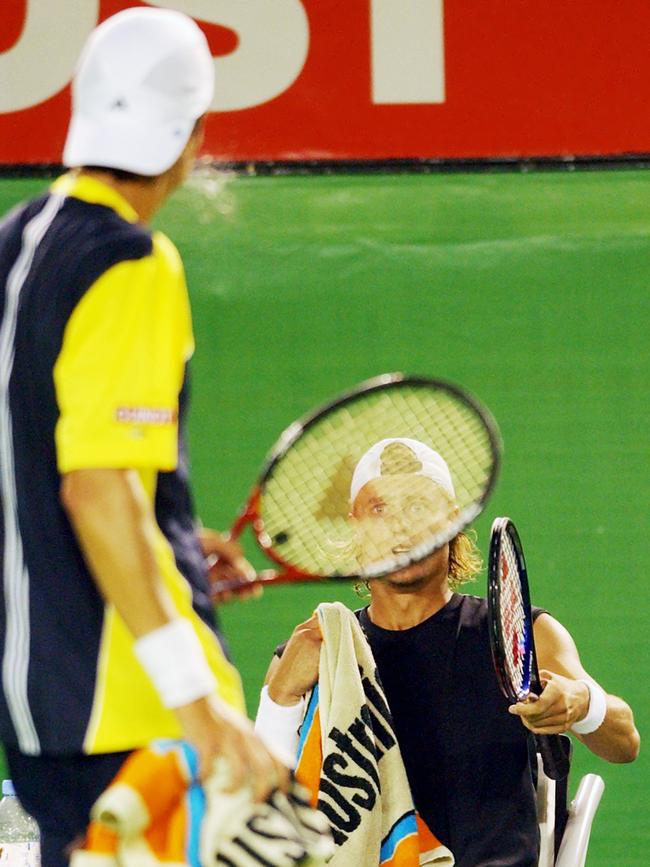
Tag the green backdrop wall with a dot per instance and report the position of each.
(529, 289)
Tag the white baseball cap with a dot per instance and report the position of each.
(431, 465)
(143, 79)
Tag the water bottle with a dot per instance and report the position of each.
(19, 835)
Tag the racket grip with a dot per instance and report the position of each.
(554, 759)
(220, 586)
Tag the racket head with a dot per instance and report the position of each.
(509, 612)
(302, 511)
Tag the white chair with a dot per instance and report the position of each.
(574, 842)
(546, 817)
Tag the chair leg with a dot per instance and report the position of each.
(545, 816)
(575, 841)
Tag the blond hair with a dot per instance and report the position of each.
(465, 561)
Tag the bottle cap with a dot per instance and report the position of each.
(8, 788)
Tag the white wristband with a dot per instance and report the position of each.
(278, 724)
(597, 710)
(173, 658)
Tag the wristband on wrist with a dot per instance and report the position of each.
(278, 724)
(596, 712)
(173, 658)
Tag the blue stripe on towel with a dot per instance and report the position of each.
(195, 806)
(308, 720)
(404, 827)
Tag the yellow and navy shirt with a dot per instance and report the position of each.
(95, 337)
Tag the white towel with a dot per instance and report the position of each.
(156, 813)
(362, 789)
(281, 832)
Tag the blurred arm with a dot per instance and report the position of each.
(116, 529)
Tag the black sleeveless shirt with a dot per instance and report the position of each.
(467, 759)
(469, 762)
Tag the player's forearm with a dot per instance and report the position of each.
(617, 739)
(115, 528)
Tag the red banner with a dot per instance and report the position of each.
(366, 79)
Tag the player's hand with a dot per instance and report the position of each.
(227, 563)
(563, 702)
(297, 670)
(217, 731)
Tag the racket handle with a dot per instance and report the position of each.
(236, 585)
(554, 759)
(219, 586)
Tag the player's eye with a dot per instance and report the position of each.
(378, 508)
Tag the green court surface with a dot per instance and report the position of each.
(531, 290)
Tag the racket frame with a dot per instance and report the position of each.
(501, 527)
(555, 761)
(251, 512)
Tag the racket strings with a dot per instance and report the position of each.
(514, 620)
(460, 437)
(305, 504)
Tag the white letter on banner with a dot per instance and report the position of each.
(42, 62)
(273, 46)
(408, 54)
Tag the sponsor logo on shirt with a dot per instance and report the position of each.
(145, 415)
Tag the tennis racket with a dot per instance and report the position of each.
(511, 633)
(300, 508)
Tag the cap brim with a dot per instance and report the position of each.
(144, 151)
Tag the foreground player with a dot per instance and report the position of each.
(99, 542)
(467, 758)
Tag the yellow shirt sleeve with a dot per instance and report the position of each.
(122, 365)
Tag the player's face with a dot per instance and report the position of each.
(394, 514)
(418, 575)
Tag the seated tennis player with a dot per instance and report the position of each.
(467, 753)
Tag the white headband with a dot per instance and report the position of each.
(432, 465)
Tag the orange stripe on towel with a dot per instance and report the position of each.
(311, 760)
